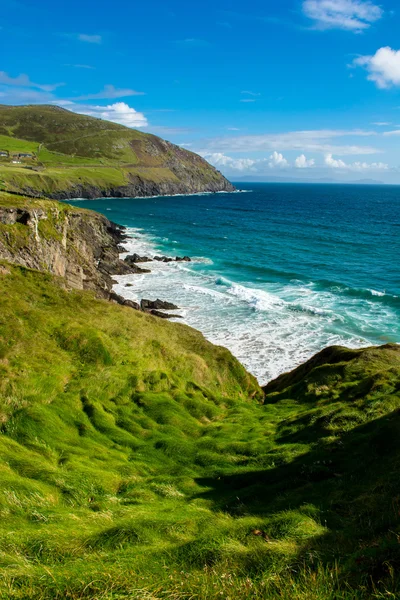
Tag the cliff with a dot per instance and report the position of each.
(69, 156)
(79, 246)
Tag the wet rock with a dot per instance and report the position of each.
(183, 259)
(165, 259)
(135, 258)
(119, 267)
(157, 305)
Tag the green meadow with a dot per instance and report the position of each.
(137, 460)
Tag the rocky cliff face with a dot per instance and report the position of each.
(77, 245)
(139, 187)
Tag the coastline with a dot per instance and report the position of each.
(198, 307)
(270, 288)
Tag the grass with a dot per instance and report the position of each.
(139, 461)
(74, 151)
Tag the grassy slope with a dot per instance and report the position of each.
(75, 150)
(136, 461)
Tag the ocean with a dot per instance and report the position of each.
(279, 271)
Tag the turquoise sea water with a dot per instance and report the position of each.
(280, 270)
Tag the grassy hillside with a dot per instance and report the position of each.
(138, 461)
(74, 154)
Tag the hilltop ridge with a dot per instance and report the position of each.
(69, 155)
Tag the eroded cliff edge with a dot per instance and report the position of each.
(78, 245)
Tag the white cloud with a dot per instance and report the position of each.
(383, 67)
(109, 92)
(303, 141)
(351, 15)
(79, 66)
(221, 160)
(249, 93)
(381, 124)
(395, 132)
(302, 162)
(247, 100)
(277, 160)
(334, 163)
(117, 113)
(90, 39)
(218, 159)
(24, 81)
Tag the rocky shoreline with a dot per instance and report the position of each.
(80, 246)
(153, 307)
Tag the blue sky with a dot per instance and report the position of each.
(304, 89)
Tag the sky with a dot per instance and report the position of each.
(288, 89)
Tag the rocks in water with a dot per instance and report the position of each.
(148, 305)
(152, 307)
(183, 259)
(121, 248)
(168, 259)
(135, 258)
(120, 267)
(163, 259)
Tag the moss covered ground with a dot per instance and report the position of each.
(137, 460)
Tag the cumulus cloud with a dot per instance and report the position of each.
(109, 92)
(117, 113)
(220, 160)
(351, 15)
(302, 162)
(277, 160)
(24, 81)
(90, 39)
(334, 163)
(302, 141)
(383, 67)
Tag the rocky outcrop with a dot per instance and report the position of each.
(157, 305)
(168, 259)
(80, 246)
(135, 258)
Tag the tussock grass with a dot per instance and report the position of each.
(139, 461)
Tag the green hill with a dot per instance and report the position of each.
(74, 155)
(137, 460)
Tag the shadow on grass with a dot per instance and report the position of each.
(351, 483)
